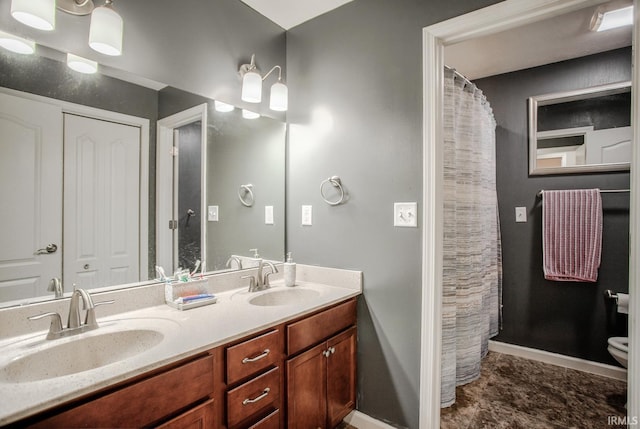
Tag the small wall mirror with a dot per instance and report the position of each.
(581, 131)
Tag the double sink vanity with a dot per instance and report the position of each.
(282, 357)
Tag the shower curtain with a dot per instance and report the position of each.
(472, 262)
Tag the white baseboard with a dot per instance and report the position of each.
(363, 421)
(560, 360)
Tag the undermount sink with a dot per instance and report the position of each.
(289, 296)
(45, 360)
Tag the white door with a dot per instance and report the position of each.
(101, 200)
(610, 145)
(31, 190)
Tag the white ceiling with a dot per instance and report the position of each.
(555, 39)
(289, 13)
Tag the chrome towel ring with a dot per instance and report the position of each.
(245, 194)
(336, 183)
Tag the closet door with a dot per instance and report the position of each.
(101, 201)
(31, 192)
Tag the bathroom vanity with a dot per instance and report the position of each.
(244, 362)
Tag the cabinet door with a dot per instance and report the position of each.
(341, 376)
(307, 389)
(200, 417)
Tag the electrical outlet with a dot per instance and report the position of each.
(212, 213)
(405, 215)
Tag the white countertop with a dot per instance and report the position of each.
(185, 333)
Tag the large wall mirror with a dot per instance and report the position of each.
(587, 130)
(91, 171)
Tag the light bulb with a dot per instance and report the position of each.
(17, 44)
(223, 107)
(248, 114)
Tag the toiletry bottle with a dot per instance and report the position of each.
(289, 271)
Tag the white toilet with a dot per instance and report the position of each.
(619, 349)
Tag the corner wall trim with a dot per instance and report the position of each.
(363, 421)
(570, 362)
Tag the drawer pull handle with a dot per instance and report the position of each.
(264, 393)
(260, 356)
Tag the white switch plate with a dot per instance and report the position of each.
(307, 215)
(212, 213)
(268, 215)
(405, 215)
(521, 214)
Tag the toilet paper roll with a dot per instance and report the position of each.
(623, 303)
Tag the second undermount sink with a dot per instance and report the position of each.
(58, 358)
(287, 296)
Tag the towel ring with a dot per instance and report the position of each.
(242, 195)
(336, 183)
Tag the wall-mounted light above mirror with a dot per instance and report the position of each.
(581, 131)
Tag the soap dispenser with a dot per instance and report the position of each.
(289, 271)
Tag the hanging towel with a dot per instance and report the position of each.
(572, 234)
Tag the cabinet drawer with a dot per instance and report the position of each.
(254, 355)
(143, 403)
(253, 397)
(310, 331)
(272, 421)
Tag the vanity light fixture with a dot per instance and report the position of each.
(40, 14)
(606, 18)
(248, 114)
(223, 107)
(17, 44)
(105, 32)
(81, 65)
(252, 86)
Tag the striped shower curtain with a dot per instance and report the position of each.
(472, 276)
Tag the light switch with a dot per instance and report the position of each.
(268, 215)
(405, 215)
(307, 215)
(212, 213)
(521, 214)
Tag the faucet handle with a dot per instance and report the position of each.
(56, 323)
(252, 282)
(90, 318)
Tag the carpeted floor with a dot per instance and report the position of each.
(515, 393)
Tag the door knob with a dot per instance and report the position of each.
(51, 248)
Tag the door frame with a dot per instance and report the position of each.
(493, 19)
(121, 118)
(165, 181)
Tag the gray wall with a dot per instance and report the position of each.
(239, 151)
(562, 317)
(362, 66)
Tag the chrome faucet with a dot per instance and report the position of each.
(261, 280)
(55, 286)
(74, 323)
(235, 259)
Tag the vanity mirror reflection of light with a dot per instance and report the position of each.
(581, 131)
(234, 147)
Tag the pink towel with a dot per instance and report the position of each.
(572, 234)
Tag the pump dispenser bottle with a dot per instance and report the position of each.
(289, 271)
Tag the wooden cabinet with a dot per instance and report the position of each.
(147, 402)
(321, 382)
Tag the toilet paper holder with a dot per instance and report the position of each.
(610, 295)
